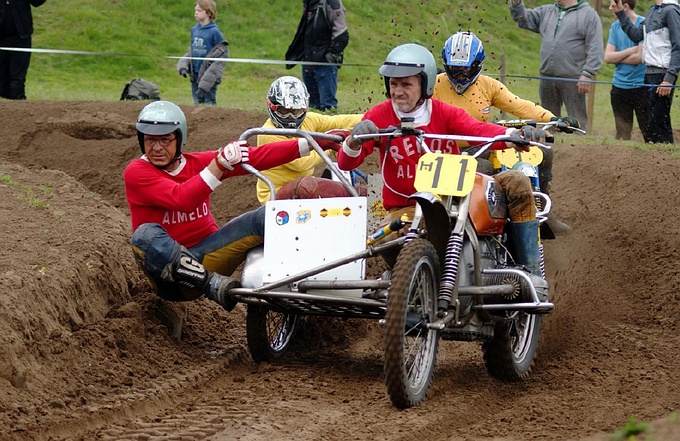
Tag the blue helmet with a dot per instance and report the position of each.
(463, 56)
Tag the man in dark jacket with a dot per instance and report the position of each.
(16, 28)
(321, 37)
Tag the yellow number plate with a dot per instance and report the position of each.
(509, 157)
(451, 175)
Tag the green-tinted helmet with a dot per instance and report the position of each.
(162, 118)
(408, 60)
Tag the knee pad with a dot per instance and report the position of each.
(184, 269)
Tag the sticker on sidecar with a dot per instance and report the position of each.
(303, 216)
(335, 212)
(282, 218)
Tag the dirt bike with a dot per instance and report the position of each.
(455, 246)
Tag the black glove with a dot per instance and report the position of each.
(183, 72)
(333, 58)
(530, 133)
(568, 120)
(200, 94)
(365, 127)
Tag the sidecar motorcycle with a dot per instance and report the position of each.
(455, 277)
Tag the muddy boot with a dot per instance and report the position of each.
(184, 269)
(217, 290)
(558, 227)
(525, 244)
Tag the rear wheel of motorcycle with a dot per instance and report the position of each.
(410, 347)
(269, 333)
(510, 355)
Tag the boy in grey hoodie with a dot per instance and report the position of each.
(572, 49)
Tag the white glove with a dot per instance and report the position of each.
(232, 154)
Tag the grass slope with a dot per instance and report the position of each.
(152, 33)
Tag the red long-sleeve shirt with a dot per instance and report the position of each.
(398, 162)
(180, 200)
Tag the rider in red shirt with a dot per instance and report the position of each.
(410, 73)
(176, 238)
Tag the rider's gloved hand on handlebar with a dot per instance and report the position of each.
(231, 154)
(327, 144)
(365, 127)
(530, 133)
(343, 133)
(568, 120)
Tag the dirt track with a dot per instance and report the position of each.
(86, 350)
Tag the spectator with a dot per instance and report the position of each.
(321, 37)
(16, 28)
(571, 49)
(409, 71)
(287, 104)
(661, 53)
(175, 238)
(629, 94)
(206, 42)
(463, 85)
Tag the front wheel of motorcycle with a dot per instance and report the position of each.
(511, 354)
(410, 347)
(269, 333)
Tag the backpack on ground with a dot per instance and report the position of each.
(140, 89)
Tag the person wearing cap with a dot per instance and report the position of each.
(175, 236)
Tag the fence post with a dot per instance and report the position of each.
(590, 111)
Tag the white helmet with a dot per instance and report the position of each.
(408, 60)
(287, 102)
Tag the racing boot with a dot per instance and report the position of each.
(218, 287)
(525, 244)
(185, 270)
(558, 227)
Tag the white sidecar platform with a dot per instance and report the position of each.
(301, 234)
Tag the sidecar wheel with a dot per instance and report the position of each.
(511, 354)
(410, 347)
(269, 333)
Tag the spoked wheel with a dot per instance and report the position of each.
(269, 333)
(510, 355)
(410, 347)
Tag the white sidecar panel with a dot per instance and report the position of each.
(301, 234)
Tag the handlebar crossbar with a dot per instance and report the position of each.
(310, 137)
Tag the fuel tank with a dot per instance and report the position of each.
(488, 208)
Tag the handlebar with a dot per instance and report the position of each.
(421, 136)
(557, 125)
(295, 133)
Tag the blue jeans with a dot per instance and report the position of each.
(220, 252)
(322, 85)
(210, 98)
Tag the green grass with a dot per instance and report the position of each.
(154, 31)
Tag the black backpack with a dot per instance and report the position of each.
(140, 89)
